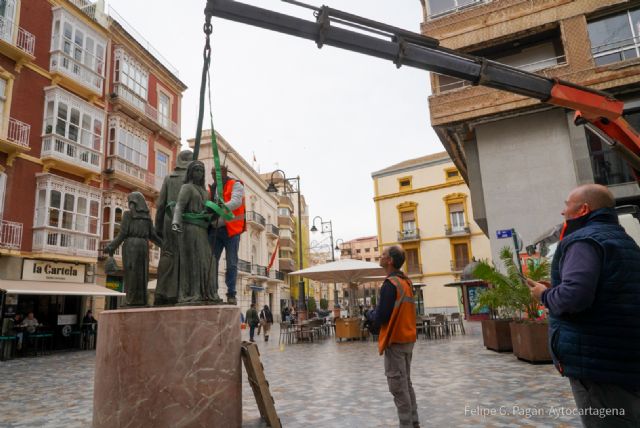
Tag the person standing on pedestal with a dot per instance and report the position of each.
(136, 230)
(168, 273)
(225, 234)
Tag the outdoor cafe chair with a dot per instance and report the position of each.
(456, 323)
(437, 327)
(286, 333)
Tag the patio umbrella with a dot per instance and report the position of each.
(348, 271)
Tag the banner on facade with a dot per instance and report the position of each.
(45, 270)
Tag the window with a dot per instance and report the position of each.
(461, 256)
(164, 109)
(285, 233)
(358, 251)
(615, 38)
(451, 174)
(412, 260)
(77, 50)
(367, 250)
(284, 212)
(368, 259)
(608, 167)
(128, 142)
(69, 211)
(3, 98)
(404, 183)
(456, 216)
(133, 77)
(408, 220)
(7, 19)
(162, 164)
(78, 123)
(3, 189)
(441, 7)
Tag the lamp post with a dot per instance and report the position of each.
(302, 304)
(327, 227)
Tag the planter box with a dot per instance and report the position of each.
(530, 341)
(496, 335)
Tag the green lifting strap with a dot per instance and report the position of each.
(219, 208)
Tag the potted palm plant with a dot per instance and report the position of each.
(514, 323)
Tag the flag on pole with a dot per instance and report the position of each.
(273, 256)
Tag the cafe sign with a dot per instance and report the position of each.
(44, 270)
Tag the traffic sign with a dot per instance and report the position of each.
(505, 233)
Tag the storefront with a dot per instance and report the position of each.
(57, 295)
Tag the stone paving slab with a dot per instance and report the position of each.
(458, 383)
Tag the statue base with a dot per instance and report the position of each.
(168, 367)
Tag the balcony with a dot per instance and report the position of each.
(450, 230)
(458, 265)
(285, 222)
(126, 100)
(16, 42)
(65, 242)
(287, 243)
(75, 75)
(258, 271)
(17, 139)
(456, 7)
(287, 264)
(275, 276)
(70, 156)
(272, 231)
(10, 235)
(127, 174)
(256, 220)
(244, 267)
(408, 235)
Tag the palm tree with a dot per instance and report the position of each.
(509, 296)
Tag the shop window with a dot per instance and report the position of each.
(615, 37)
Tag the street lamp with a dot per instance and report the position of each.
(327, 227)
(302, 304)
(337, 245)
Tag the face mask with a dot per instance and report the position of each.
(572, 225)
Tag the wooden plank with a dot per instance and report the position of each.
(259, 384)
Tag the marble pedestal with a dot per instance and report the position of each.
(168, 367)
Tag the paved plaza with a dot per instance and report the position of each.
(458, 383)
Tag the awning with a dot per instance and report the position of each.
(56, 288)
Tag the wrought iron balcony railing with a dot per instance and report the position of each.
(256, 219)
(10, 235)
(24, 40)
(456, 230)
(408, 235)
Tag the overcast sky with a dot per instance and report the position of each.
(331, 116)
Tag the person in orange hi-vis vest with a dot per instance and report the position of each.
(395, 316)
(225, 235)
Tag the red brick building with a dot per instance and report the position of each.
(88, 113)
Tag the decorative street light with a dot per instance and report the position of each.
(302, 303)
(338, 245)
(327, 227)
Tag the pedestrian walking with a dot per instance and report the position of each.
(266, 320)
(252, 320)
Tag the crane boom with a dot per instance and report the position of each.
(601, 111)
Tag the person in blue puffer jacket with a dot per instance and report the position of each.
(594, 310)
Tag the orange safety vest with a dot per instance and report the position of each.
(401, 327)
(239, 223)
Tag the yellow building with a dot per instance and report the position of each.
(423, 205)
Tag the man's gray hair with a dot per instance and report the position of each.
(397, 256)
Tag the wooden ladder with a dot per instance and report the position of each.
(259, 384)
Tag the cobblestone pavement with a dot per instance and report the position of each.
(327, 384)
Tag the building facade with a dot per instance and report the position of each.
(257, 281)
(423, 205)
(294, 241)
(521, 157)
(89, 114)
